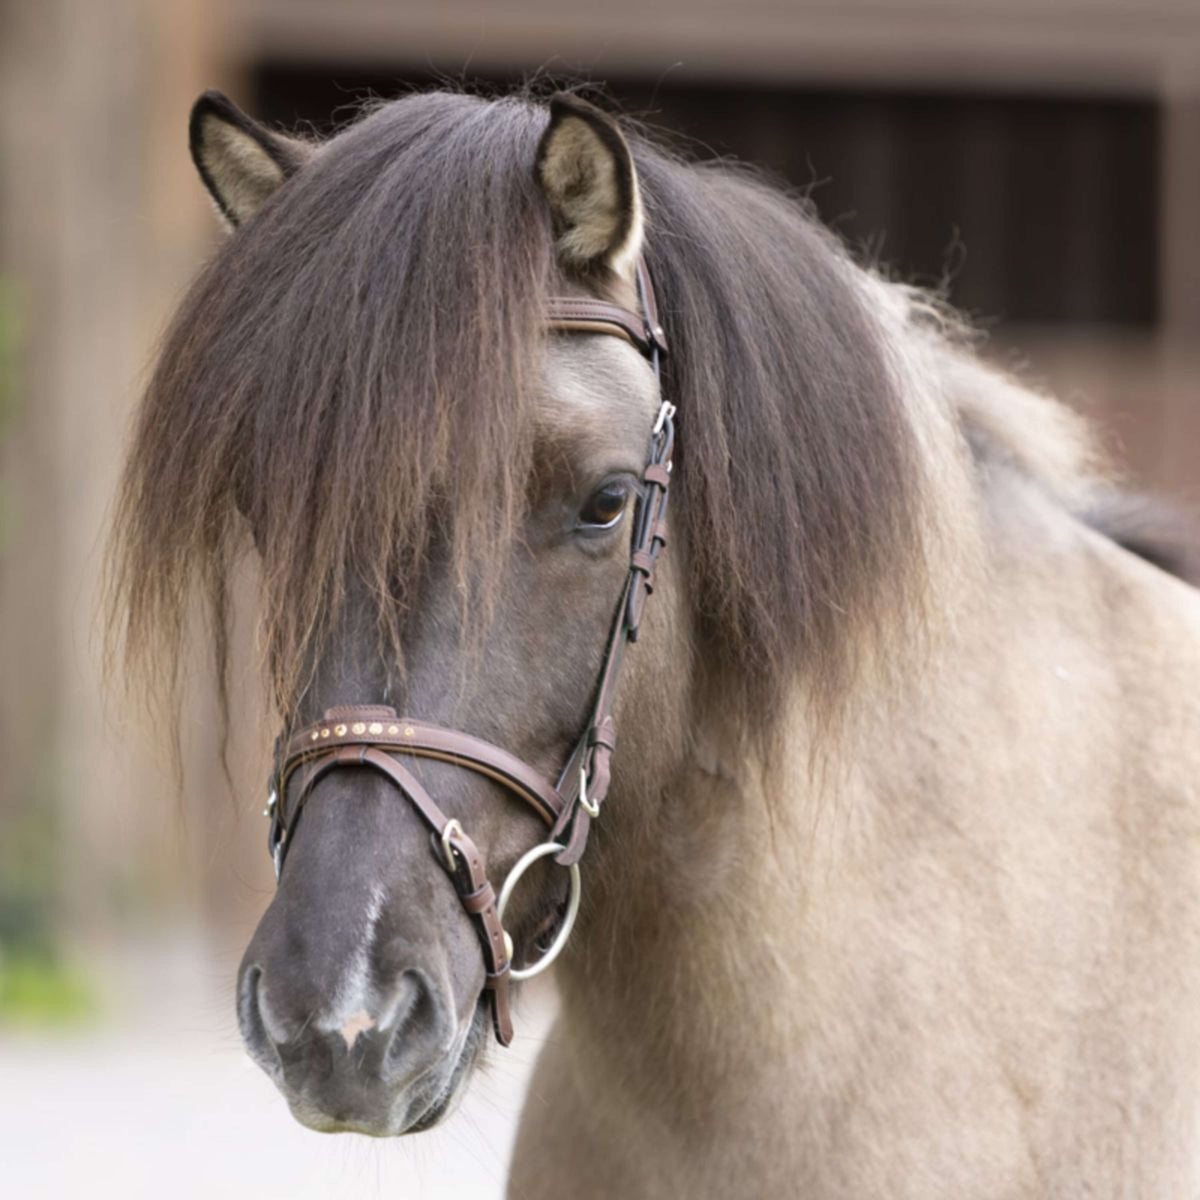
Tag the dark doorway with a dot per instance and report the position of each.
(1026, 208)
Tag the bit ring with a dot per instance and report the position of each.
(564, 930)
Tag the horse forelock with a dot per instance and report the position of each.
(352, 374)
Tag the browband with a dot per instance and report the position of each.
(583, 314)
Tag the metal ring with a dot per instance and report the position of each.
(560, 940)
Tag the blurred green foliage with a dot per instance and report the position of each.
(38, 990)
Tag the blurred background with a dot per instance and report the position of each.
(1041, 160)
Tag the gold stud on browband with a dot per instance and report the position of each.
(359, 727)
(393, 730)
(376, 727)
(340, 730)
(324, 733)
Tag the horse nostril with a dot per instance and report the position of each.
(254, 1030)
(418, 1024)
(337, 1061)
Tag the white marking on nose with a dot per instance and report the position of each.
(355, 996)
(359, 1023)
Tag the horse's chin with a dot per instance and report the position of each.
(446, 1099)
(423, 1107)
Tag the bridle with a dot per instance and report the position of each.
(374, 736)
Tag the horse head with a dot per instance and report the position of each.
(364, 993)
(422, 387)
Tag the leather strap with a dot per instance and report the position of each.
(372, 736)
(584, 314)
(595, 749)
(381, 727)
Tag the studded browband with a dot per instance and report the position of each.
(375, 736)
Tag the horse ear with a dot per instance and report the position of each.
(586, 171)
(240, 161)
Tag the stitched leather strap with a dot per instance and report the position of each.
(381, 727)
(584, 314)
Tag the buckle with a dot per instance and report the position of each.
(275, 830)
(450, 830)
(666, 412)
(589, 806)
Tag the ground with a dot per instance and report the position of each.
(161, 1101)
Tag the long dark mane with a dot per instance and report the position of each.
(350, 380)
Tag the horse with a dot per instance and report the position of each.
(889, 887)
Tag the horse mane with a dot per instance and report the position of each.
(1161, 533)
(349, 379)
(1008, 424)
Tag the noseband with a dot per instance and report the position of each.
(374, 736)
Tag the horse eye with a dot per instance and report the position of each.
(605, 506)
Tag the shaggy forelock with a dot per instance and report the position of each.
(351, 373)
(351, 377)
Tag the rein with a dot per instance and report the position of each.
(375, 736)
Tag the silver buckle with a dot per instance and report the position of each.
(452, 827)
(589, 806)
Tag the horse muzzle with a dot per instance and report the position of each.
(392, 1070)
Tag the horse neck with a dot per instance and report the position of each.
(690, 967)
(694, 955)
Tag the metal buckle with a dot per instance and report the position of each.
(564, 931)
(276, 833)
(666, 412)
(451, 828)
(589, 806)
(655, 339)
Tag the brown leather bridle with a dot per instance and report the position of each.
(374, 736)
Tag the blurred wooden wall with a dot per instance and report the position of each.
(102, 223)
